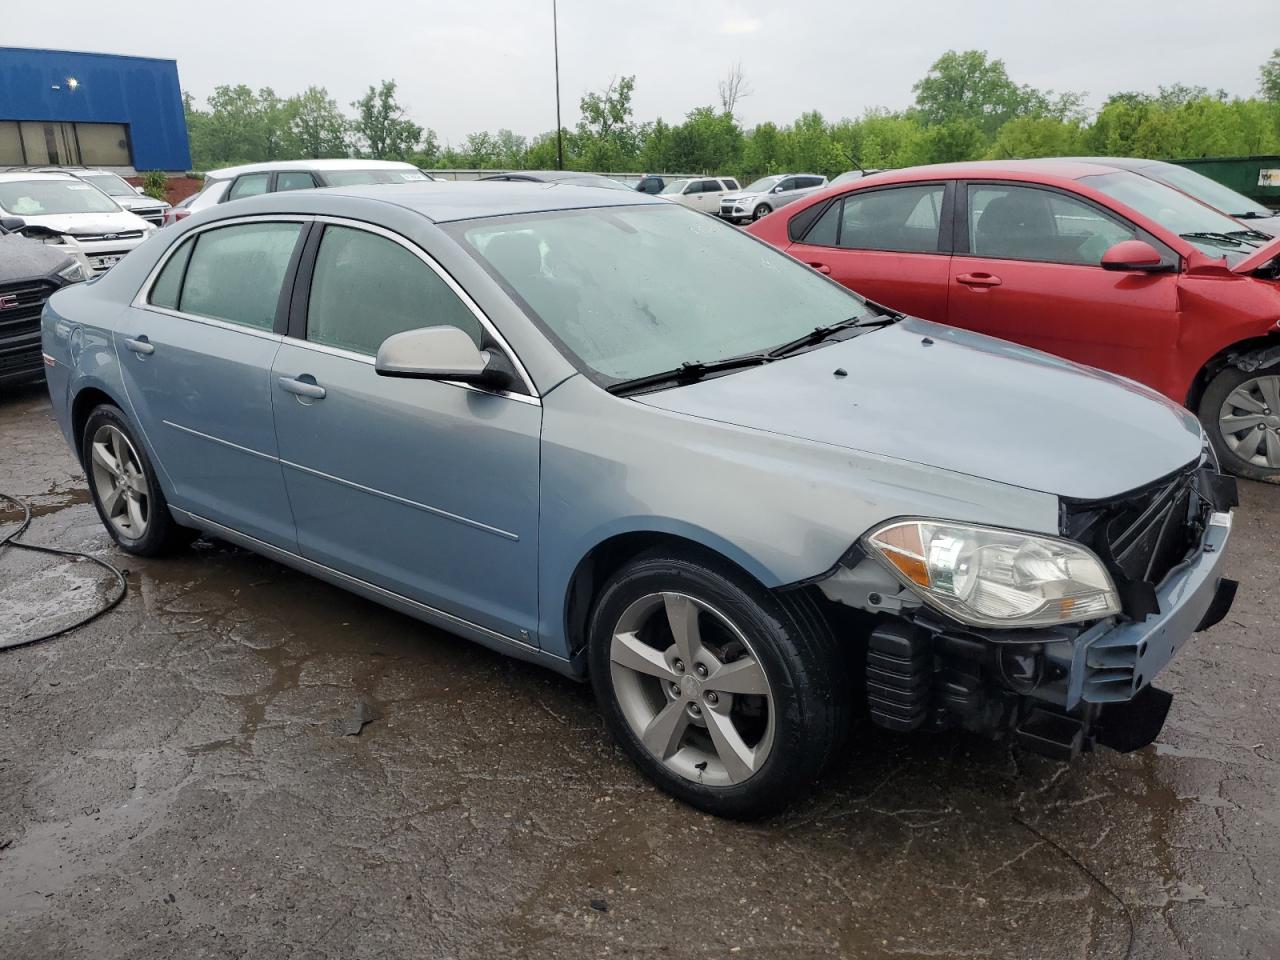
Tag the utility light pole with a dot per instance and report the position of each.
(555, 39)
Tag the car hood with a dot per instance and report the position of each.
(90, 223)
(1267, 225)
(739, 197)
(140, 202)
(24, 259)
(942, 397)
(1259, 258)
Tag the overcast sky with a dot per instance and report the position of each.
(466, 66)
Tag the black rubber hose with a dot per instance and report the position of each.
(11, 540)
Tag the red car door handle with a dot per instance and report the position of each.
(978, 280)
(821, 267)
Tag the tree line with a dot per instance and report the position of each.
(966, 107)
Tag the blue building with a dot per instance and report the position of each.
(94, 109)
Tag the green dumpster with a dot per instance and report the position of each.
(1256, 177)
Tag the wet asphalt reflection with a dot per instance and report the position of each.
(181, 779)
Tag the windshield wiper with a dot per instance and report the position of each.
(1252, 235)
(819, 334)
(1213, 237)
(689, 372)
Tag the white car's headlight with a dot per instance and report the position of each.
(987, 577)
(73, 272)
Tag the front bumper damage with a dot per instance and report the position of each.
(1057, 690)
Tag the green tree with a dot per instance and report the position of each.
(607, 137)
(1269, 77)
(382, 128)
(316, 125)
(954, 141)
(1025, 137)
(973, 88)
(240, 126)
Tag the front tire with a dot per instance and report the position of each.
(124, 487)
(1240, 411)
(763, 210)
(727, 696)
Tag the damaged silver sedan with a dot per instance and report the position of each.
(610, 435)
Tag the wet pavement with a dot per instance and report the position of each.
(180, 779)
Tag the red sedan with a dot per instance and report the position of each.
(1095, 264)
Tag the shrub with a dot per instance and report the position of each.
(153, 183)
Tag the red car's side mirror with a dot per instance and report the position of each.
(1133, 255)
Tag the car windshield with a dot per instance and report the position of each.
(352, 178)
(36, 198)
(675, 186)
(110, 184)
(1216, 234)
(635, 290)
(763, 184)
(1209, 191)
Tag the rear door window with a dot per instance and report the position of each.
(250, 185)
(904, 219)
(235, 273)
(294, 180)
(367, 287)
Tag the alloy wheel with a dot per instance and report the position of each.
(691, 688)
(120, 483)
(1250, 421)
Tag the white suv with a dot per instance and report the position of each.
(118, 189)
(700, 193)
(80, 218)
(252, 179)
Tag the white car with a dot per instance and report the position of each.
(83, 221)
(118, 189)
(700, 193)
(768, 194)
(252, 179)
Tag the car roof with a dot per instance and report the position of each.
(463, 200)
(11, 176)
(226, 173)
(1064, 169)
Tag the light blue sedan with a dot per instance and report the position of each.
(619, 438)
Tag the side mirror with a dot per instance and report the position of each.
(141, 191)
(777, 189)
(442, 353)
(1133, 255)
(11, 224)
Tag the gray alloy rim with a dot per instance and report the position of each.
(1250, 421)
(119, 482)
(691, 688)
(757, 213)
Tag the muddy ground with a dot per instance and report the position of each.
(174, 782)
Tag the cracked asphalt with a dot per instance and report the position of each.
(175, 782)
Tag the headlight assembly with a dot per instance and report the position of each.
(987, 577)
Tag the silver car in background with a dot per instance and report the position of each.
(744, 510)
(768, 194)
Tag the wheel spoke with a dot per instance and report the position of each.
(136, 482)
(633, 653)
(111, 501)
(663, 734)
(119, 448)
(137, 519)
(1249, 443)
(1273, 449)
(1241, 399)
(740, 676)
(682, 615)
(1269, 387)
(738, 759)
(104, 458)
(1236, 424)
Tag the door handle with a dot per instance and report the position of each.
(301, 388)
(141, 346)
(821, 267)
(978, 280)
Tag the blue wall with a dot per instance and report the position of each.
(139, 91)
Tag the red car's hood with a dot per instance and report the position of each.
(1260, 257)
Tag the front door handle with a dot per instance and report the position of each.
(141, 346)
(821, 267)
(301, 388)
(978, 280)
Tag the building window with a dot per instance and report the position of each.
(39, 142)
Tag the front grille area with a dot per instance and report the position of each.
(20, 306)
(104, 261)
(1144, 534)
(153, 216)
(100, 237)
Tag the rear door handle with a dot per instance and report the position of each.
(821, 267)
(141, 346)
(978, 280)
(302, 388)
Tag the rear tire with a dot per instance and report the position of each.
(125, 491)
(1249, 402)
(741, 742)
